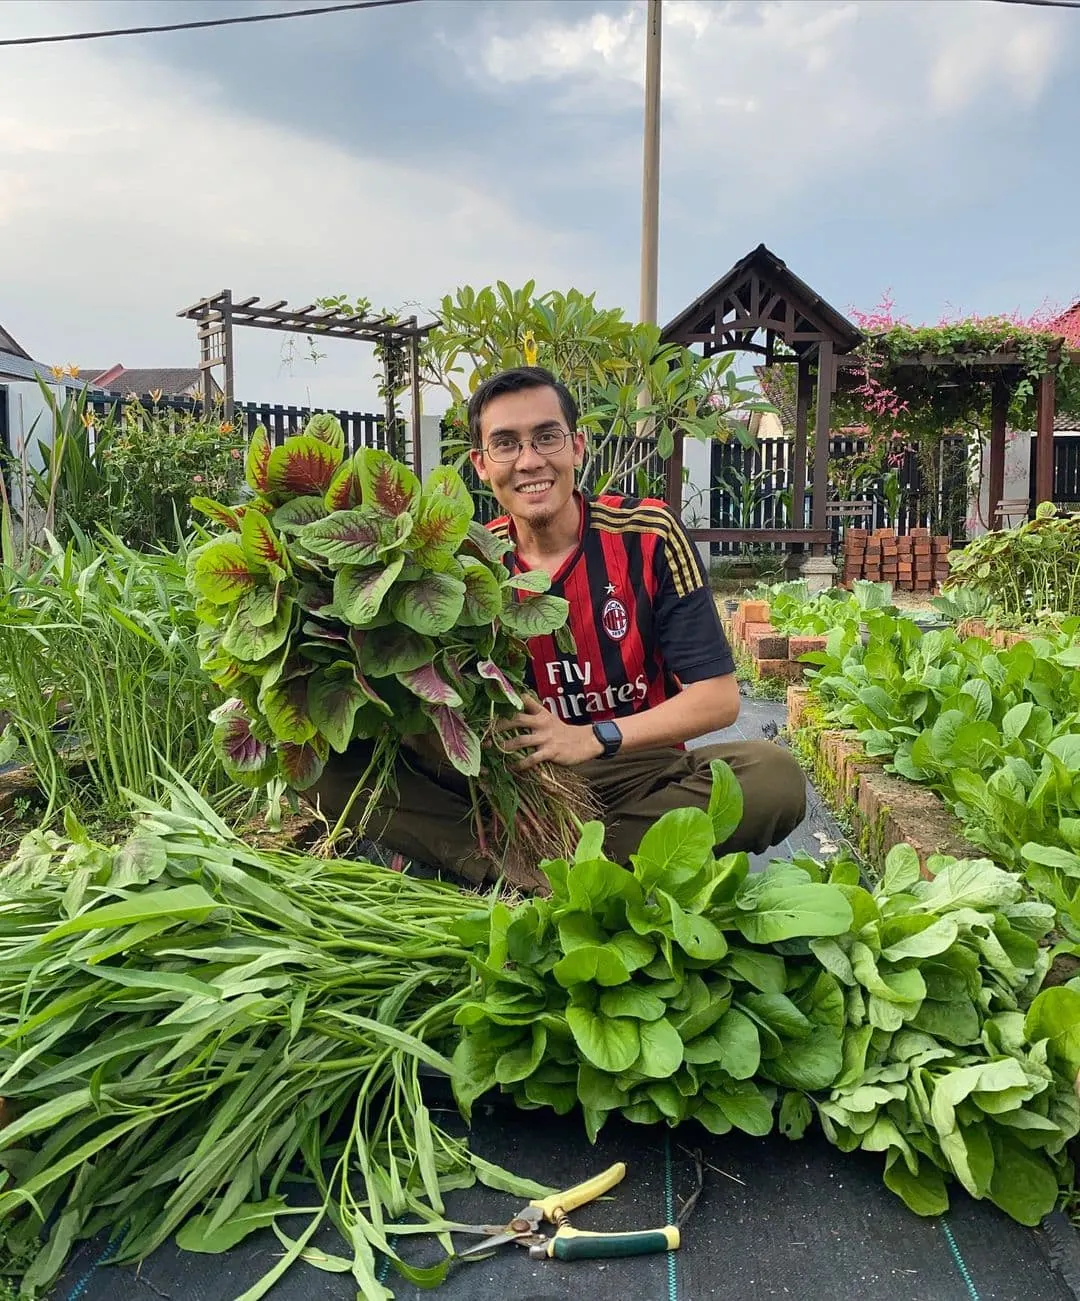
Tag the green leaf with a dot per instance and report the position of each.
(431, 605)
(1054, 1015)
(221, 573)
(661, 1049)
(795, 1115)
(536, 616)
(695, 935)
(601, 963)
(633, 1001)
(746, 1106)
(302, 466)
(610, 1044)
(386, 486)
(784, 912)
(674, 848)
(183, 902)
(197, 1235)
(346, 537)
(725, 801)
(251, 641)
(359, 593)
(924, 1192)
(902, 869)
(520, 1063)
(732, 1043)
(460, 742)
(333, 697)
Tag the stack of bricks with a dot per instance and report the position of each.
(911, 562)
(773, 654)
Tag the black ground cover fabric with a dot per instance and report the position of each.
(775, 1220)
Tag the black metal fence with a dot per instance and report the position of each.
(1066, 490)
(751, 487)
(362, 428)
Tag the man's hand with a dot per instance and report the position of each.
(548, 738)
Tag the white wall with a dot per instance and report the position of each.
(29, 424)
(1017, 470)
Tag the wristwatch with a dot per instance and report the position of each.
(609, 736)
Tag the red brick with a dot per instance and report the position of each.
(941, 545)
(755, 611)
(797, 699)
(769, 645)
(803, 645)
(788, 670)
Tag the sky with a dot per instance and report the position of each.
(924, 148)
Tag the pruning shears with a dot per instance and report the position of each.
(568, 1243)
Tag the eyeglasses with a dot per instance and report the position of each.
(505, 447)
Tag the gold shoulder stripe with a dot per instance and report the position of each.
(679, 550)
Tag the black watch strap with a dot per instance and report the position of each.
(610, 737)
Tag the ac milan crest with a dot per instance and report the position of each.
(615, 619)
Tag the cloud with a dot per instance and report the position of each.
(131, 190)
(771, 94)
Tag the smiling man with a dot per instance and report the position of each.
(652, 668)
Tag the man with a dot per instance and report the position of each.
(652, 667)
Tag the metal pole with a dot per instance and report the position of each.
(417, 410)
(650, 203)
(650, 184)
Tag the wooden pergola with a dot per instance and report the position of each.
(399, 339)
(762, 307)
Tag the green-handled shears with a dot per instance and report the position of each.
(567, 1243)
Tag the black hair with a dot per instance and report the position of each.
(513, 381)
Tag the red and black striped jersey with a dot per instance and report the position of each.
(641, 613)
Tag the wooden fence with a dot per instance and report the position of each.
(752, 488)
(362, 428)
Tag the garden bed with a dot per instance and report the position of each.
(881, 809)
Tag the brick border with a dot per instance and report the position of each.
(773, 654)
(883, 810)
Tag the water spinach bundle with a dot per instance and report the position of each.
(349, 602)
(689, 989)
(199, 1039)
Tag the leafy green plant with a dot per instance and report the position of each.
(607, 362)
(187, 1026)
(346, 602)
(794, 612)
(101, 675)
(1029, 573)
(688, 989)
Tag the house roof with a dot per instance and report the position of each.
(172, 381)
(721, 311)
(1068, 325)
(8, 345)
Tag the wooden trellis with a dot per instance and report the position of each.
(398, 337)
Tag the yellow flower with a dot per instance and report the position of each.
(73, 371)
(155, 394)
(88, 419)
(57, 372)
(528, 343)
(226, 427)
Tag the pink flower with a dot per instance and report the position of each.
(235, 453)
(196, 478)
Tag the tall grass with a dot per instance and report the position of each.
(99, 671)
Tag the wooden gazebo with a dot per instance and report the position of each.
(762, 307)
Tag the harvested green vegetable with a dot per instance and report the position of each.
(688, 989)
(347, 602)
(187, 1024)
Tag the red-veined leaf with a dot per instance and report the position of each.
(359, 593)
(313, 597)
(250, 641)
(327, 429)
(430, 685)
(257, 462)
(536, 616)
(529, 580)
(293, 515)
(261, 544)
(446, 510)
(301, 467)
(221, 573)
(334, 696)
(490, 670)
(245, 758)
(486, 544)
(483, 595)
(387, 486)
(302, 765)
(430, 606)
(344, 490)
(461, 744)
(395, 650)
(369, 691)
(347, 537)
(220, 514)
(286, 708)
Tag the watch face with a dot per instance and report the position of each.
(608, 732)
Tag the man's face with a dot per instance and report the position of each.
(535, 487)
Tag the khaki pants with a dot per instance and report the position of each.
(430, 819)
